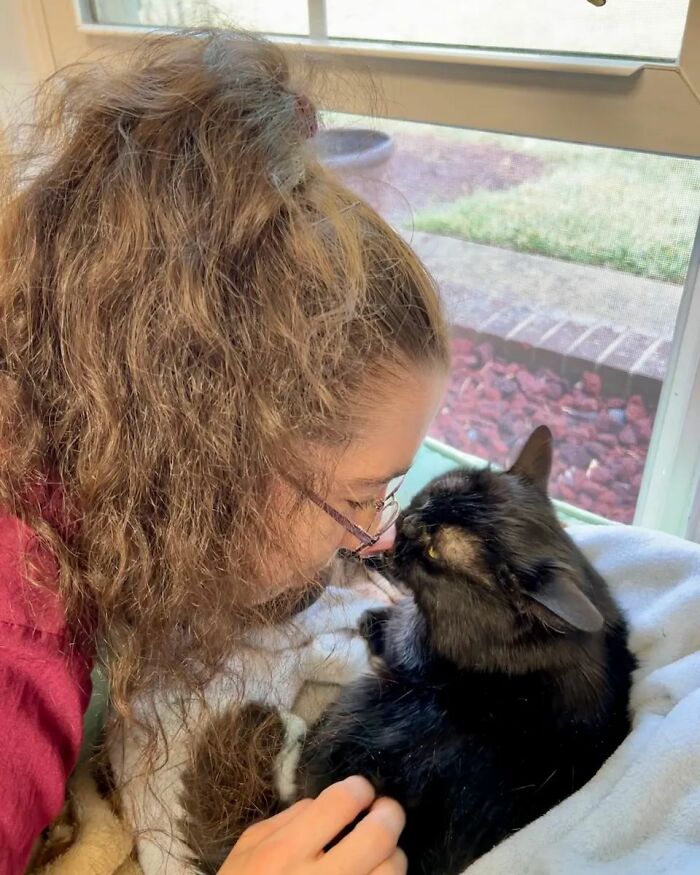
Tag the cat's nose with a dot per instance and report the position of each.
(411, 525)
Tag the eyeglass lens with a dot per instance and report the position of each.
(389, 511)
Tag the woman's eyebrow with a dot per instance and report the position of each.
(379, 481)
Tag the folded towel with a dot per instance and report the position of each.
(88, 839)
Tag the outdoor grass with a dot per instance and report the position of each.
(624, 210)
(630, 212)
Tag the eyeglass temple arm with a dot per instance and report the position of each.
(364, 537)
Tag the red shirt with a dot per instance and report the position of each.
(44, 692)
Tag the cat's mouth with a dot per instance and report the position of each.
(405, 551)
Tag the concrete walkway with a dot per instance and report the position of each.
(590, 295)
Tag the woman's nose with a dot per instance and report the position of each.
(364, 520)
(384, 545)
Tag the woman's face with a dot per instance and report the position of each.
(359, 477)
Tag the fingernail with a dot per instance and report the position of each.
(390, 813)
(360, 788)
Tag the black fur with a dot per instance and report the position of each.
(487, 706)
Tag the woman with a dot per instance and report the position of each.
(214, 360)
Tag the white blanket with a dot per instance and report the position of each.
(640, 815)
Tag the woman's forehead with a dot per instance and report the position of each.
(393, 433)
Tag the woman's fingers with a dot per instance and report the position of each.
(260, 831)
(370, 844)
(397, 864)
(334, 809)
(296, 837)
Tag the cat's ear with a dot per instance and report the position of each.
(535, 458)
(560, 594)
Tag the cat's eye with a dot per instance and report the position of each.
(432, 552)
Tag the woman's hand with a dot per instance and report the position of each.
(292, 843)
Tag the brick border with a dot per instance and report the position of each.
(628, 362)
(600, 345)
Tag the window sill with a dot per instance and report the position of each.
(435, 458)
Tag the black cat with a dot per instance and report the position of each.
(500, 688)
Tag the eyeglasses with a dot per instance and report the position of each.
(386, 509)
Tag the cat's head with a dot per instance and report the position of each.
(491, 567)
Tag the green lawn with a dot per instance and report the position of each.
(622, 210)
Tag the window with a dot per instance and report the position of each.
(631, 28)
(290, 17)
(611, 84)
(562, 299)
(625, 28)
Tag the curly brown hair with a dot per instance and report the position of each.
(188, 299)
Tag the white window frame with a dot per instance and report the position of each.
(621, 103)
(670, 495)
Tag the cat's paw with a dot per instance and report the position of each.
(287, 761)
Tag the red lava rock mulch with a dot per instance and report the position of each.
(600, 442)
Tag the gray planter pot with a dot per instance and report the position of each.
(352, 148)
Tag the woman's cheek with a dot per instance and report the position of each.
(313, 543)
(321, 546)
